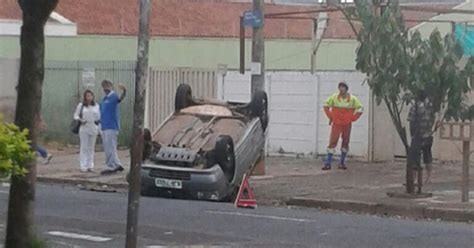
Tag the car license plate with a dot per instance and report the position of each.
(168, 183)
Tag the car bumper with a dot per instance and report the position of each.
(208, 184)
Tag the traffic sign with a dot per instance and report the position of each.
(253, 19)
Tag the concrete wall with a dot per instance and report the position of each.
(188, 52)
(298, 124)
(8, 80)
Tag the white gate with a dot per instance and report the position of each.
(162, 85)
(297, 123)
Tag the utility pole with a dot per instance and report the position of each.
(258, 51)
(319, 27)
(258, 61)
(141, 72)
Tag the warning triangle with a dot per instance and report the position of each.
(245, 198)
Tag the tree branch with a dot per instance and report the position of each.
(348, 18)
(397, 122)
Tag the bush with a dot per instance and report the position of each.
(14, 149)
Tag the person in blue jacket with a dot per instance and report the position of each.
(109, 122)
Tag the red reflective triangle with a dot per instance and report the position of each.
(245, 198)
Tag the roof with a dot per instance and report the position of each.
(9, 9)
(189, 18)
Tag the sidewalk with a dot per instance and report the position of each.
(64, 168)
(362, 188)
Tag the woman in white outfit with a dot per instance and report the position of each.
(88, 113)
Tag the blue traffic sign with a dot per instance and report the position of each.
(253, 18)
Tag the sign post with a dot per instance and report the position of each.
(463, 131)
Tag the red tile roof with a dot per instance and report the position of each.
(9, 9)
(188, 18)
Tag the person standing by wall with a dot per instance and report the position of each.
(342, 109)
(110, 126)
(422, 121)
(42, 152)
(88, 113)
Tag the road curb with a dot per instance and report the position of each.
(84, 182)
(414, 212)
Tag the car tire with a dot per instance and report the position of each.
(232, 196)
(147, 144)
(183, 98)
(259, 107)
(225, 156)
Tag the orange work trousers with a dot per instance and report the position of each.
(338, 131)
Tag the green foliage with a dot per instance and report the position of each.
(14, 149)
(38, 243)
(400, 64)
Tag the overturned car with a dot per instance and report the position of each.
(203, 149)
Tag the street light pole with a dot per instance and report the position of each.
(138, 118)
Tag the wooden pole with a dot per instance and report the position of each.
(258, 56)
(465, 170)
(258, 50)
(138, 118)
(242, 45)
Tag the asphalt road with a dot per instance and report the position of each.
(69, 217)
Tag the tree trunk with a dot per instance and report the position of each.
(410, 184)
(22, 191)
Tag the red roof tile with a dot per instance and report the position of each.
(188, 18)
(9, 9)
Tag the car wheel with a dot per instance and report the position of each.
(225, 157)
(232, 195)
(183, 98)
(259, 107)
(147, 144)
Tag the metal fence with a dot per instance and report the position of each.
(162, 86)
(64, 84)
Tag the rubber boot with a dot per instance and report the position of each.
(343, 161)
(327, 163)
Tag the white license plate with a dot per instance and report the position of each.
(168, 183)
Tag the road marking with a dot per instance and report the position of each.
(3, 192)
(271, 217)
(79, 236)
(187, 246)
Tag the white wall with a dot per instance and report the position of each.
(8, 80)
(297, 123)
(328, 82)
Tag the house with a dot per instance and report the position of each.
(203, 34)
(186, 33)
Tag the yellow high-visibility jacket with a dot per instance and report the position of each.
(343, 111)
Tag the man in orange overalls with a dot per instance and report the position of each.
(342, 109)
